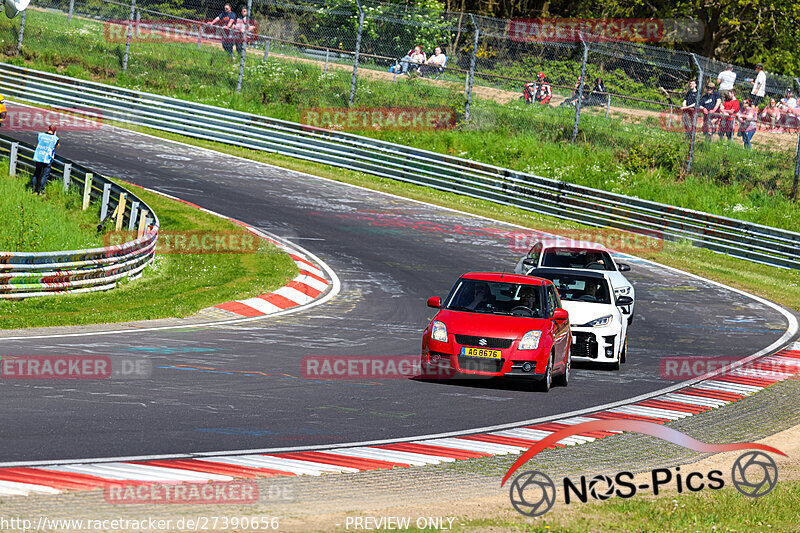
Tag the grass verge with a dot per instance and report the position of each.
(175, 285)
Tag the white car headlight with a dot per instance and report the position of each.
(439, 331)
(530, 341)
(622, 291)
(598, 322)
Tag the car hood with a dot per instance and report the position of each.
(498, 326)
(583, 312)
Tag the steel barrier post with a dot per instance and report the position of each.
(71, 7)
(138, 22)
(87, 190)
(128, 36)
(327, 53)
(65, 176)
(104, 203)
(696, 109)
(142, 223)
(21, 31)
(354, 80)
(134, 212)
(471, 75)
(585, 49)
(608, 103)
(12, 159)
(121, 206)
(243, 55)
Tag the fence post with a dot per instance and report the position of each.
(123, 197)
(327, 53)
(266, 50)
(21, 31)
(142, 223)
(65, 176)
(358, 49)
(12, 159)
(104, 203)
(669, 123)
(128, 36)
(138, 21)
(134, 212)
(87, 190)
(71, 7)
(608, 103)
(793, 194)
(471, 75)
(696, 109)
(585, 49)
(199, 35)
(244, 38)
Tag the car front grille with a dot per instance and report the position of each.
(491, 342)
(585, 345)
(477, 364)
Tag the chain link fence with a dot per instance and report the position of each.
(598, 95)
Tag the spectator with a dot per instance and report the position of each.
(789, 110)
(574, 98)
(730, 108)
(726, 78)
(772, 116)
(710, 105)
(688, 108)
(3, 110)
(226, 20)
(413, 59)
(598, 94)
(539, 91)
(759, 86)
(43, 157)
(747, 122)
(434, 64)
(245, 26)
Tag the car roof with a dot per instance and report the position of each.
(572, 244)
(502, 276)
(594, 274)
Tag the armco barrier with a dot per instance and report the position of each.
(594, 207)
(30, 274)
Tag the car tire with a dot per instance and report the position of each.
(546, 383)
(623, 357)
(562, 380)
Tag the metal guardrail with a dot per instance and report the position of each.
(754, 242)
(32, 274)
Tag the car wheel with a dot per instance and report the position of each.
(547, 381)
(563, 379)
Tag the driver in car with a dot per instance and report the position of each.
(481, 297)
(528, 298)
(594, 261)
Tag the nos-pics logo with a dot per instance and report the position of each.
(533, 493)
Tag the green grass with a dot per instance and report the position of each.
(632, 156)
(175, 285)
(54, 221)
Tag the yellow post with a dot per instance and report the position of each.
(142, 222)
(87, 190)
(120, 210)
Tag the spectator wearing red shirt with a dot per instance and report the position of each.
(729, 110)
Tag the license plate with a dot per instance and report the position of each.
(481, 352)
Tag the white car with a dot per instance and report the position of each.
(599, 328)
(563, 253)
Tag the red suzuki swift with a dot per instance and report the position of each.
(494, 324)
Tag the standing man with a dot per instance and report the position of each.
(710, 104)
(43, 157)
(245, 26)
(759, 86)
(726, 79)
(226, 20)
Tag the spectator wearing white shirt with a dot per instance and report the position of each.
(726, 79)
(759, 86)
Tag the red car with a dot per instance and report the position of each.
(494, 324)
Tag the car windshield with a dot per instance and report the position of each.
(496, 298)
(577, 258)
(577, 288)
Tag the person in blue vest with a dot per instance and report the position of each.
(43, 157)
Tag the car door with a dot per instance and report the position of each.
(561, 331)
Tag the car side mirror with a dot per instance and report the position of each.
(623, 267)
(560, 315)
(435, 302)
(624, 300)
(529, 262)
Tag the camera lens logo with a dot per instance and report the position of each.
(597, 484)
(754, 474)
(533, 493)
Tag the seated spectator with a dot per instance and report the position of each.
(710, 105)
(747, 116)
(598, 94)
(539, 91)
(789, 110)
(574, 98)
(729, 110)
(435, 64)
(688, 109)
(413, 59)
(772, 116)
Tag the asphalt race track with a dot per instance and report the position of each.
(390, 255)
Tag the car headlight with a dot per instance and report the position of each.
(598, 322)
(622, 291)
(530, 341)
(439, 331)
